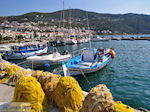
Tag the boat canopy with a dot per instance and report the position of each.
(88, 55)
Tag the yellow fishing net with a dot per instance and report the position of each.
(17, 75)
(68, 95)
(0, 57)
(3, 80)
(28, 89)
(2, 72)
(9, 69)
(12, 70)
(4, 65)
(120, 107)
(48, 82)
(37, 74)
(99, 99)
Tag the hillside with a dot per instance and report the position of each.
(129, 23)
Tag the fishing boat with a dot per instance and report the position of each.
(54, 58)
(7, 47)
(90, 60)
(4, 49)
(22, 52)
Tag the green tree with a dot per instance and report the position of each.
(7, 38)
(19, 37)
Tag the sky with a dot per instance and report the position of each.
(18, 7)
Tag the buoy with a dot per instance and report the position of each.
(50, 52)
(46, 65)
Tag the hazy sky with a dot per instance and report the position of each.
(17, 7)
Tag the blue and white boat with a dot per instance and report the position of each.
(22, 52)
(90, 60)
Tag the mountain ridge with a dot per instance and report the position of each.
(127, 23)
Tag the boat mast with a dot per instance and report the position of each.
(70, 18)
(63, 14)
(70, 22)
(88, 27)
(63, 17)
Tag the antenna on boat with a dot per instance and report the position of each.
(63, 14)
(88, 27)
(32, 64)
(70, 18)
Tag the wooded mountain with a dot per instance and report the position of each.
(129, 23)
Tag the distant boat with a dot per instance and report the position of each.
(57, 42)
(132, 38)
(79, 41)
(70, 41)
(82, 40)
(54, 58)
(21, 52)
(118, 39)
(98, 38)
(90, 60)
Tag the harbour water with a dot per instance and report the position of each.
(127, 76)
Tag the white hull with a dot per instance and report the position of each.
(99, 39)
(48, 59)
(71, 41)
(25, 55)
